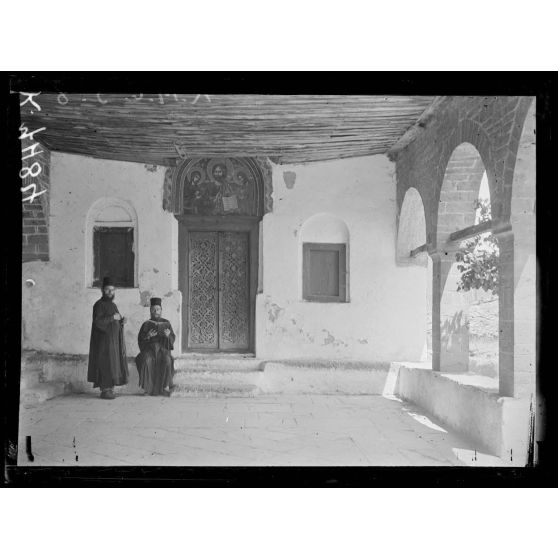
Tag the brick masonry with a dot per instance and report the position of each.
(35, 215)
(445, 169)
(493, 125)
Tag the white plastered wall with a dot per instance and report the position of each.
(384, 319)
(57, 303)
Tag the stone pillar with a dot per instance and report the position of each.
(506, 314)
(436, 300)
(525, 310)
(450, 316)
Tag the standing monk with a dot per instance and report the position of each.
(107, 352)
(155, 363)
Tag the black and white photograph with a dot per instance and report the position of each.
(299, 250)
(278, 280)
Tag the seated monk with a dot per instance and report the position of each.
(155, 363)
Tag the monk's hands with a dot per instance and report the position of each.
(117, 317)
(167, 332)
(151, 333)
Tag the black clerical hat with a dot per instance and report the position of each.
(107, 281)
(155, 302)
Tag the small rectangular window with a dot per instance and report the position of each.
(113, 255)
(324, 272)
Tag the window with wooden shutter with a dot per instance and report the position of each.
(113, 255)
(324, 272)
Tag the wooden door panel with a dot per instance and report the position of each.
(234, 292)
(203, 291)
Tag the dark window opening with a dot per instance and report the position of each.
(113, 255)
(324, 272)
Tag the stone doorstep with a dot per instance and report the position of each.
(215, 382)
(215, 390)
(215, 356)
(217, 362)
(216, 375)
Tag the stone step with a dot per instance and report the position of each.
(215, 390)
(219, 362)
(210, 383)
(40, 393)
(216, 355)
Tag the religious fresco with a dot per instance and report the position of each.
(218, 186)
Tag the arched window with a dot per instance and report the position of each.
(112, 243)
(325, 257)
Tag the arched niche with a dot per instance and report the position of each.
(411, 232)
(109, 213)
(324, 227)
(218, 186)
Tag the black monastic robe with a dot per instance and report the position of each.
(155, 363)
(108, 366)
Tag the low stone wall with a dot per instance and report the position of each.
(468, 404)
(69, 370)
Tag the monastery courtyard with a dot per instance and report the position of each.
(326, 430)
(341, 280)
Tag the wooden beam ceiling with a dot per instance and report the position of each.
(286, 128)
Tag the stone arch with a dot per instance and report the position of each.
(461, 184)
(460, 188)
(247, 178)
(469, 132)
(411, 232)
(109, 212)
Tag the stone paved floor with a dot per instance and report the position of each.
(267, 430)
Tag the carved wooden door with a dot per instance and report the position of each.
(218, 293)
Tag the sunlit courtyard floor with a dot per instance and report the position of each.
(266, 430)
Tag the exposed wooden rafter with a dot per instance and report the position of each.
(285, 128)
(415, 252)
(493, 226)
(416, 128)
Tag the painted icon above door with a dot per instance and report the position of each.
(218, 186)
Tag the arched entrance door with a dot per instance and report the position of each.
(219, 203)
